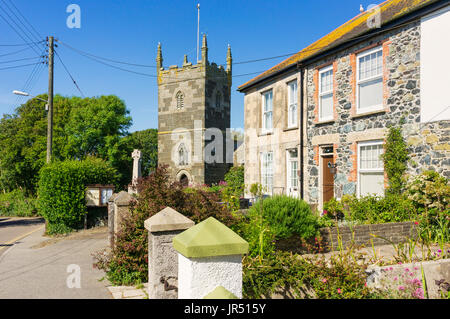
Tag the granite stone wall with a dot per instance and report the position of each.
(199, 85)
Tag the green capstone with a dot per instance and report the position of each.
(209, 238)
(220, 293)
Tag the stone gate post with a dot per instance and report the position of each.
(209, 256)
(162, 258)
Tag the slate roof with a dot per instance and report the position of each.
(390, 11)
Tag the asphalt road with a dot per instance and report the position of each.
(39, 267)
(12, 229)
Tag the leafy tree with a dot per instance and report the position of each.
(81, 127)
(147, 142)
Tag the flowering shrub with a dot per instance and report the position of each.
(403, 285)
(128, 261)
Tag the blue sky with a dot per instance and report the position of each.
(130, 31)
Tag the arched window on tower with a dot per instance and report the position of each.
(218, 100)
(183, 158)
(180, 100)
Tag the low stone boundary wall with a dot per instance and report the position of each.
(362, 234)
(359, 234)
(436, 273)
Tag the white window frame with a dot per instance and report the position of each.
(292, 121)
(266, 188)
(359, 81)
(321, 71)
(264, 112)
(366, 170)
(289, 161)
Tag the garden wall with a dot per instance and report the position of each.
(395, 232)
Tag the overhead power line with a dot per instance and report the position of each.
(23, 34)
(14, 52)
(24, 59)
(70, 75)
(19, 66)
(39, 36)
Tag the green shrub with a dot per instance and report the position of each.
(339, 277)
(371, 209)
(429, 190)
(128, 262)
(61, 191)
(16, 203)
(287, 216)
(258, 233)
(377, 210)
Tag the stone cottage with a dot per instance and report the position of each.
(388, 66)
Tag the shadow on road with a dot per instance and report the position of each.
(7, 222)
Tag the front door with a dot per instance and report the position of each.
(327, 179)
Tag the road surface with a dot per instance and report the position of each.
(13, 229)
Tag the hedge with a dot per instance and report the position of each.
(61, 191)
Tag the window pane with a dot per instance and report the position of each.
(370, 157)
(326, 106)
(371, 183)
(293, 115)
(292, 93)
(371, 65)
(326, 81)
(371, 94)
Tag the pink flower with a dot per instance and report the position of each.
(339, 291)
(324, 280)
(391, 268)
(417, 223)
(395, 278)
(401, 288)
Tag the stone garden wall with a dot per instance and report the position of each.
(361, 234)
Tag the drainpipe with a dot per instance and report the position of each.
(302, 188)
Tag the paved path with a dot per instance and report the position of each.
(36, 267)
(13, 229)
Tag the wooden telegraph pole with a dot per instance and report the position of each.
(50, 99)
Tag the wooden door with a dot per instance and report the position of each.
(327, 179)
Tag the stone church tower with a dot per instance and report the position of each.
(194, 103)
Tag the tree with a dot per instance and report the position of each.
(147, 142)
(81, 127)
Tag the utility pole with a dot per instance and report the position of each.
(50, 99)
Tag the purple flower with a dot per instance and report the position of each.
(401, 288)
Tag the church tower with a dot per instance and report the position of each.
(194, 103)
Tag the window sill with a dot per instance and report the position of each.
(368, 114)
(324, 122)
(265, 133)
(290, 129)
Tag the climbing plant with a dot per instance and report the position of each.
(395, 159)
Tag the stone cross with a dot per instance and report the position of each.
(162, 258)
(137, 173)
(209, 256)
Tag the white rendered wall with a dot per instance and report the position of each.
(435, 66)
(197, 277)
